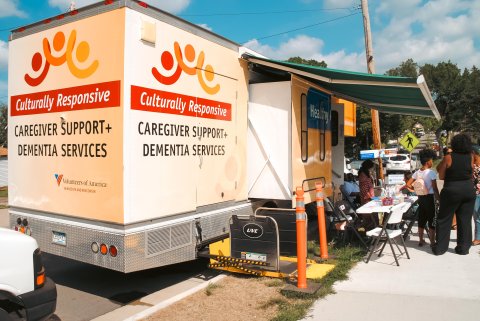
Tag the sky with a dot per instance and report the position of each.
(330, 30)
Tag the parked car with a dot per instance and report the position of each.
(419, 133)
(415, 162)
(355, 166)
(399, 163)
(25, 292)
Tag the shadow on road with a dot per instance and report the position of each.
(119, 287)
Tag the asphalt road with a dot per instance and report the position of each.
(86, 291)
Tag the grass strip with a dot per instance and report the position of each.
(298, 304)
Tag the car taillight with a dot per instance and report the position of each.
(38, 269)
(40, 281)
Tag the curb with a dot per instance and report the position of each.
(163, 304)
(148, 305)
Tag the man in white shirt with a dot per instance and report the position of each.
(351, 188)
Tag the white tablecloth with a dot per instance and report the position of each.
(375, 206)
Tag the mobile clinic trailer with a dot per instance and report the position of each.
(136, 135)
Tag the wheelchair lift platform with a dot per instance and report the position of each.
(263, 246)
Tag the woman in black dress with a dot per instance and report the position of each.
(457, 196)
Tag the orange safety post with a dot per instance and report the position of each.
(322, 230)
(301, 240)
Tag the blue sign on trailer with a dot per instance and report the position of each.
(319, 107)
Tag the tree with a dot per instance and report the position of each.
(446, 84)
(400, 123)
(3, 125)
(470, 100)
(311, 62)
(408, 68)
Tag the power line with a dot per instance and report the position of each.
(306, 27)
(262, 12)
(353, 8)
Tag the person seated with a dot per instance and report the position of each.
(351, 189)
(406, 189)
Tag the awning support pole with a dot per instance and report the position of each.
(371, 70)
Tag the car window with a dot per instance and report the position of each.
(398, 158)
(356, 164)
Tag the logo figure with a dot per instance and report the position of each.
(58, 178)
(186, 63)
(63, 52)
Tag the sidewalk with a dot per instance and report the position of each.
(426, 287)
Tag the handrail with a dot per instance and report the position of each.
(321, 178)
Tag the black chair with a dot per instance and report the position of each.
(346, 197)
(350, 221)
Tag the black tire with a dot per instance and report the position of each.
(4, 316)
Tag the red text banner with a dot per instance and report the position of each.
(101, 95)
(152, 100)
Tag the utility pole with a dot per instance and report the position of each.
(371, 70)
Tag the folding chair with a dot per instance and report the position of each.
(391, 229)
(345, 213)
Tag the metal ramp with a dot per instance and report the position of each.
(255, 246)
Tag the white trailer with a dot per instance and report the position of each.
(134, 135)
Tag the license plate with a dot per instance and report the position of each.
(59, 238)
(256, 257)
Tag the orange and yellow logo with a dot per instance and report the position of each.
(189, 63)
(63, 52)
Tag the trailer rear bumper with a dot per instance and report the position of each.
(138, 247)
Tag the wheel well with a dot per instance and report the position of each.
(9, 302)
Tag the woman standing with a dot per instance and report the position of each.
(476, 182)
(457, 196)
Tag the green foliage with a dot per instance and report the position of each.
(3, 125)
(363, 139)
(446, 84)
(311, 62)
(408, 68)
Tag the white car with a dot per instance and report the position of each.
(399, 163)
(415, 161)
(22, 279)
(419, 133)
(355, 166)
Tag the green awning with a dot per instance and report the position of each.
(388, 94)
